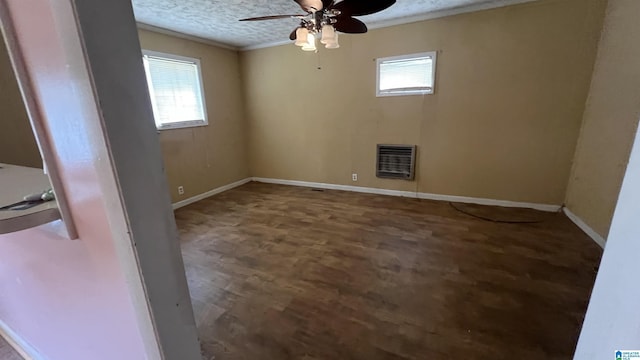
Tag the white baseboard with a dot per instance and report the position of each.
(215, 191)
(586, 228)
(411, 194)
(359, 189)
(490, 202)
(22, 347)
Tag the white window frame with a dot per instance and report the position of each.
(405, 92)
(182, 124)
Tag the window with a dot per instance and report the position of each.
(175, 87)
(406, 75)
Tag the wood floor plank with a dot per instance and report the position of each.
(279, 272)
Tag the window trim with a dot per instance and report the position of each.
(407, 92)
(174, 57)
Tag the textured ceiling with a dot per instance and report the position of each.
(217, 20)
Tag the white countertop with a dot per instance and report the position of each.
(15, 183)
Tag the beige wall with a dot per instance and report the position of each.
(503, 124)
(610, 119)
(200, 159)
(204, 158)
(17, 142)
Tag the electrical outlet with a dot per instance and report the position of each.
(354, 177)
(180, 190)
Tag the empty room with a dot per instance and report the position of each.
(319, 179)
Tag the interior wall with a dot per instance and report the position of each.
(606, 158)
(17, 143)
(204, 158)
(610, 120)
(610, 324)
(503, 123)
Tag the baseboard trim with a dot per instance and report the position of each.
(215, 191)
(359, 189)
(411, 194)
(586, 228)
(21, 346)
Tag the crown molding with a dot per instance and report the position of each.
(445, 13)
(180, 35)
(266, 45)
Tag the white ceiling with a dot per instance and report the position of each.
(217, 20)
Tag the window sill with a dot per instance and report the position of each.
(182, 125)
(408, 93)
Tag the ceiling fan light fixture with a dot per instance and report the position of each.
(310, 45)
(325, 18)
(301, 36)
(328, 34)
(333, 44)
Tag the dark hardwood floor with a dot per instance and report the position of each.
(279, 272)
(7, 352)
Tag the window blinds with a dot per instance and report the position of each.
(406, 75)
(175, 89)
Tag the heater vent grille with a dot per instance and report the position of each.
(396, 162)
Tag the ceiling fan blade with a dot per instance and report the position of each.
(349, 25)
(271, 17)
(311, 5)
(294, 34)
(362, 7)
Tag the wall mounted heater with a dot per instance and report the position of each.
(396, 162)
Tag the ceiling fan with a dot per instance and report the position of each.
(328, 17)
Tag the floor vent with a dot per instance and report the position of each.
(396, 162)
